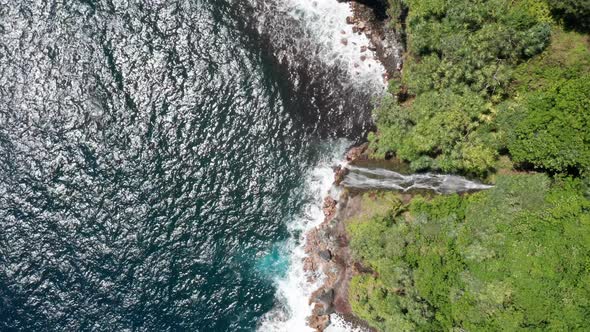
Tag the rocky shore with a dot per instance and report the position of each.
(385, 41)
(329, 256)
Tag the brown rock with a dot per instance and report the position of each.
(350, 20)
(363, 49)
(308, 264)
(319, 323)
(339, 174)
(363, 57)
(356, 152)
(344, 41)
(329, 207)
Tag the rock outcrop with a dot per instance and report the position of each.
(329, 256)
(369, 17)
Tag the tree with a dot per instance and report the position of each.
(575, 13)
(551, 130)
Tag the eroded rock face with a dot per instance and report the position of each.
(329, 207)
(329, 255)
(370, 17)
(339, 174)
(378, 7)
(357, 153)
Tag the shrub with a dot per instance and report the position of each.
(552, 133)
(575, 13)
(462, 56)
(513, 257)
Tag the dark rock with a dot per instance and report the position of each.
(339, 174)
(325, 254)
(326, 297)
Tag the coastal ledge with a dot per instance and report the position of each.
(329, 259)
(385, 41)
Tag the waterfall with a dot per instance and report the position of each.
(379, 178)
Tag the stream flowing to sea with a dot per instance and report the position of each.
(160, 161)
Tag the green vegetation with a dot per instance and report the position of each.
(575, 13)
(488, 86)
(550, 131)
(516, 257)
(482, 78)
(546, 126)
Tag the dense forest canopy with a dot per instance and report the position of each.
(514, 257)
(498, 89)
(460, 82)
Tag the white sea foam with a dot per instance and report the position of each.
(325, 22)
(320, 33)
(338, 324)
(294, 290)
(318, 29)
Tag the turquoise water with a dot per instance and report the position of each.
(152, 155)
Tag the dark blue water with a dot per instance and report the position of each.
(151, 156)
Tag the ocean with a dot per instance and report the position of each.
(160, 161)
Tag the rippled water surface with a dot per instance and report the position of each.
(152, 156)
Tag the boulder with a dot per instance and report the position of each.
(339, 174)
(319, 323)
(325, 254)
(356, 152)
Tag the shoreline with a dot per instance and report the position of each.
(328, 257)
(385, 41)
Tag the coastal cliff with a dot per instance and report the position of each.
(513, 115)
(329, 256)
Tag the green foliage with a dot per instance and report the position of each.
(575, 13)
(546, 126)
(395, 10)
(471, 44)
(449, 139)
(462, 57)
(567, 57)
(516, 257)
(553, 129)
